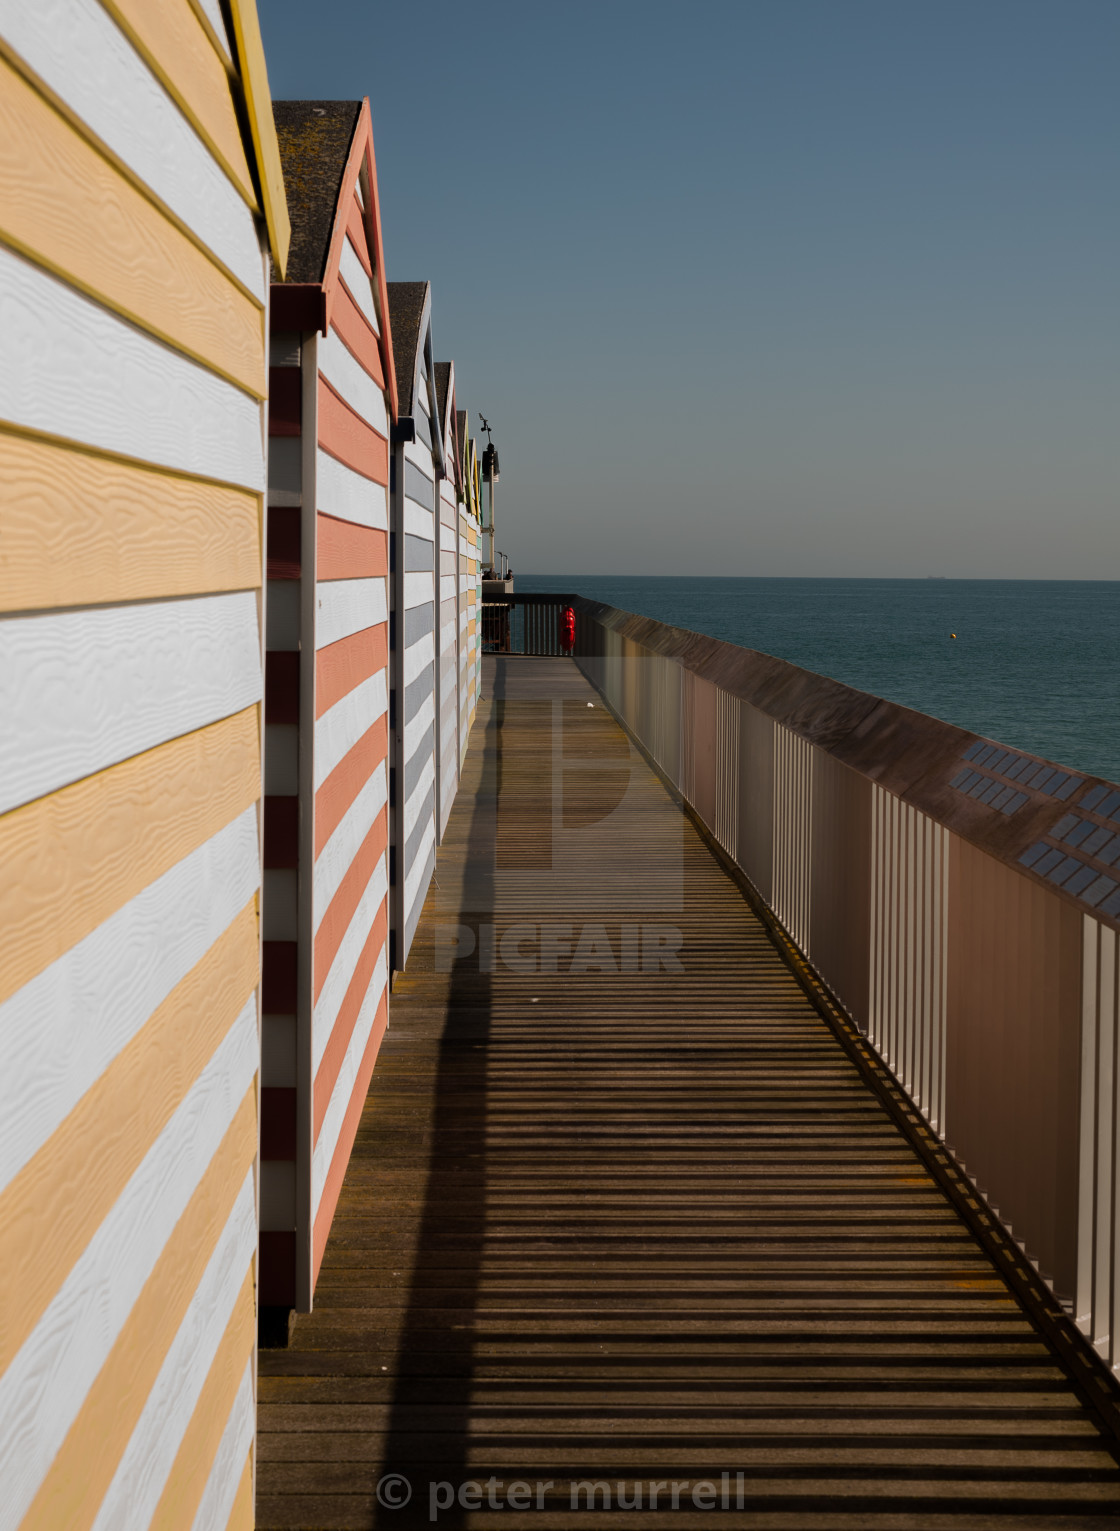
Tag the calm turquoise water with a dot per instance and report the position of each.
(1035, 663)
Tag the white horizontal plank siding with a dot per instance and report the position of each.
(418, 522)
(58, 1363)
(345, 961)
(347, 606)
(76, 48)
(150, 1454)
(347, 1076)
(349, 378)
(414, 876)
(420, 456)
(337, 856)
(81, 690)
(218, 1496)
(349, 496)
(421, 718)
(417, 655)
(416, 797)
(417, 588)
(63, 1029)
(73, 369)
(357, 283)
(352, 716)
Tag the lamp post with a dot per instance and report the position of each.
(491, 474)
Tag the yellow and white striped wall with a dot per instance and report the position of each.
(136, 217)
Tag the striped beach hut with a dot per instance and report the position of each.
(470, 578)
(326, 875)
(140, 197)
(448, 595)
(418, 461)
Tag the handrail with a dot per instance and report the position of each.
(949, 891)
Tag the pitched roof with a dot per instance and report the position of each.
(406, 313)
(315, 139)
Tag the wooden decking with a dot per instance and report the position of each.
(645, 1227)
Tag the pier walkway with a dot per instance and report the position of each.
(641, 1233)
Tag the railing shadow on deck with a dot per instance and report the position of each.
(958, 898)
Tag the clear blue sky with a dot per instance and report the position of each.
(793, 287)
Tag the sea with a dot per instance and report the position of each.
(1034, 664)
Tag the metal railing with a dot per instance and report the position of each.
(954, 895)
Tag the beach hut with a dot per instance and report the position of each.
(470, 579)
(418, 462)
(140, 199)
(449, 491)
(326, 877)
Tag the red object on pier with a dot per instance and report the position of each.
(567, 629)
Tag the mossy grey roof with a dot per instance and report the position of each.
(406, 313)
(315, 139)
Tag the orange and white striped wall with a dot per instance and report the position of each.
(140, 193)
(326, 816)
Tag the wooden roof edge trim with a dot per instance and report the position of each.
(451, 427)
(424, 350)
(427, 358)
(265, 156)
(372, 214)
(354, 158)
(361, 156)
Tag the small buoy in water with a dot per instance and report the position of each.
(952, 635)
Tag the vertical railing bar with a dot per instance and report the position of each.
(913, 942)
(1109, 1015)
(879, 802)
(892, 931)
(943, 970)
(905, 954)
(1106, 1063)
(936, 975)
(1091, 1127)
(921, 971)
(1106, 1213)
